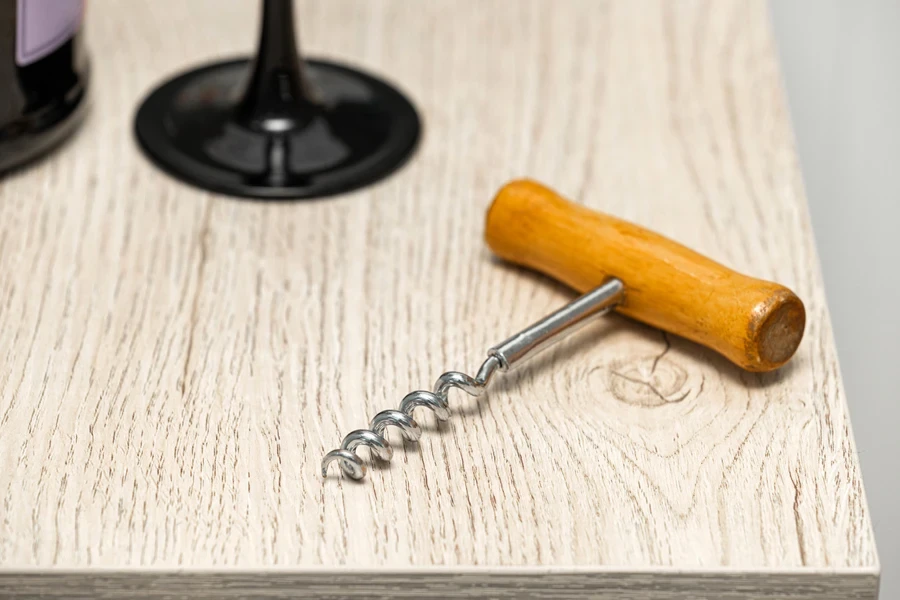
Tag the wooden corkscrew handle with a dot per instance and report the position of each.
(754, 323)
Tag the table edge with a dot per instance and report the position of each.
(442, 582)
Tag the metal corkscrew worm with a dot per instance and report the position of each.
(501, 357)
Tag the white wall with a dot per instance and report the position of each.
(841, 62)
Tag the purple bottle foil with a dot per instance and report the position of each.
(45, 25)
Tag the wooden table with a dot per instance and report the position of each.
(175, 364)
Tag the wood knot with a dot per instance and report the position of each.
(649, 381)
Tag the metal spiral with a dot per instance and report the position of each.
(436, 401)
(502, 357)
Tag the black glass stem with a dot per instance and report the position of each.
(277, 127)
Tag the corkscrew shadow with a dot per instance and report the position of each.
(399, 446)
(546, 362)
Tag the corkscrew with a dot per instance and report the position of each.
(756, 324)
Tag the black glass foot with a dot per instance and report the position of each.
(277, 127)
(364, 130)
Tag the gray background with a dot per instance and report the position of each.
(841, 64)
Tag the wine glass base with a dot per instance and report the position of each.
(362, 131)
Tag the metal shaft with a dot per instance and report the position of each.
(558, 325)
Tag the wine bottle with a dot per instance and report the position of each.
(44, 75)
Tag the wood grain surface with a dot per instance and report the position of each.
(174, 364)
